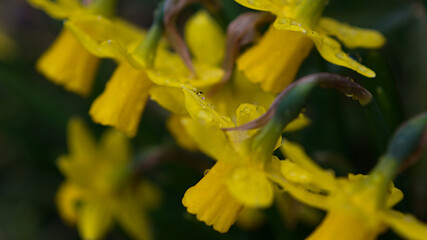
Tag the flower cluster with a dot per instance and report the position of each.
(234, 116)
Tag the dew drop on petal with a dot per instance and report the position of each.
(340, 55)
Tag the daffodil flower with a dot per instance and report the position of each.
(94, 200)
(287, 43)
(67, 62)
(124, 98)
(356, 206)
(239, 177)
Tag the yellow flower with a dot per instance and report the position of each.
(285, 51)
(124, 98)
(238, 178)
(67, 62)
(357, 207)
(126, 93)
(298, 25)
(237, 91)
(177, 130)
(97, 189)
(206, 42)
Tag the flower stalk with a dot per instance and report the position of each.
(105, 8)
(147, 49)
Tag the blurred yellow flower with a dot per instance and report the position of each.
(357, 207)
(275, 60)
(98, 190)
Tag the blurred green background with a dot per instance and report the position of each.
(34, 113)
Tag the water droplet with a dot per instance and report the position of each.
(284, 21)
(200, 94)
(340, 55)
(303, 30)
(362, 68)
(109, 41)
(349, 95)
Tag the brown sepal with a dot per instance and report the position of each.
(172, 11)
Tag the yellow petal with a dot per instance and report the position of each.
(94, 220)
(199, 108)
(179, 133)
(211, 201)
(296, 154)
(68, 64)
(67, 198)
(342, 225)
(104, 37)
(115, 146)
(297, 124)
(244, 114)
(123, 100)
(276, 59)
(129, 214)
(149, 194)
(170, 71)
(352, 37)
(211, 141)
(248, 112)
(406, 225)
(395, 196)
(240, 90)
(263, 5)
(60, 9)
(205, 38)
(81, 142)
(295, 174)
(251, 187)
(301, 193)
(206, 75)
(74, 171)
(329, 48)
(128, 30)
(169, 98)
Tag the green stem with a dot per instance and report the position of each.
(310, 12)
(406, 143)
(287, 110)
(147, 49)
